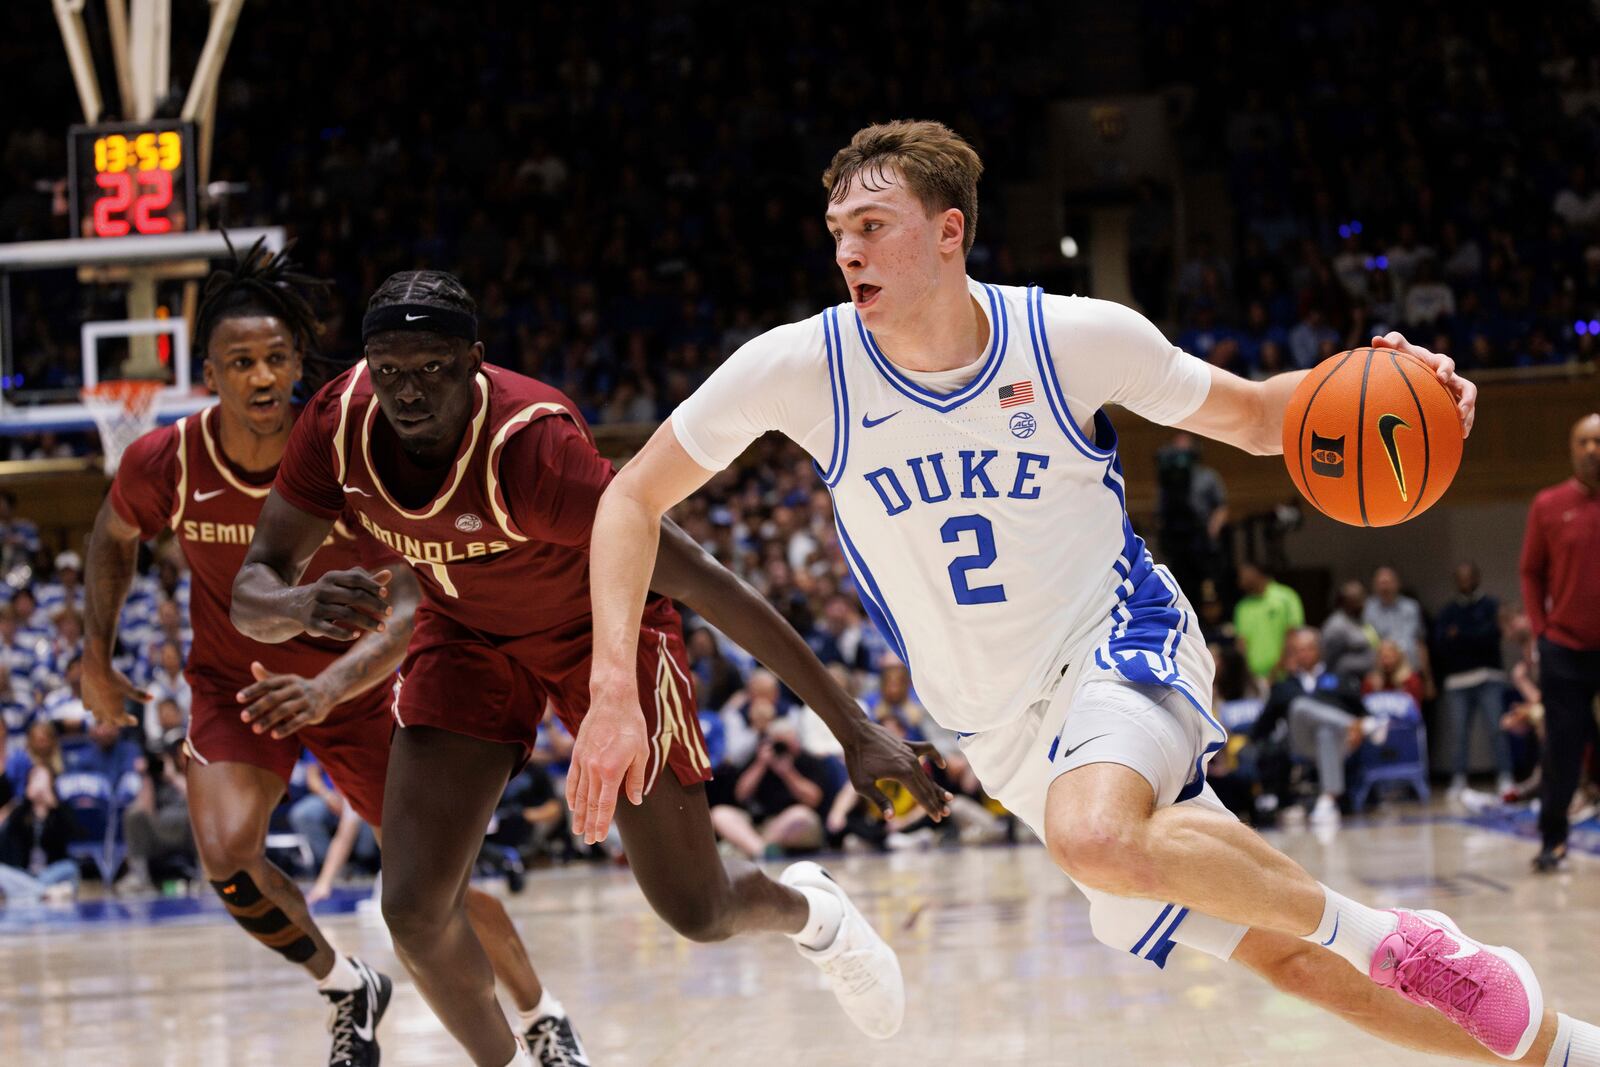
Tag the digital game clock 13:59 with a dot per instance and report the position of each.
(132, 178)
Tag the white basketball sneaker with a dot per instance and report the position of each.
(861, 967)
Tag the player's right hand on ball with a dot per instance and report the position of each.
(106, 692)
(610, 752)
(345, 604)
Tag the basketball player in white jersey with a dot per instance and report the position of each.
(980, 503)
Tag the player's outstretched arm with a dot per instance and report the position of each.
(610, 747)
(269, 606)
(1249, 415)
(632, 550)
(684, 571)
(284, 703)
(113, 552)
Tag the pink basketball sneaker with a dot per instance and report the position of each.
(1488, 991)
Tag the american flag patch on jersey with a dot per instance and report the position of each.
(1016, 393)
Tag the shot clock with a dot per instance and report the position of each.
(132, 178)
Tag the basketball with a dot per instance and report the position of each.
(1371, 437)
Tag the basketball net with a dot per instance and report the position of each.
(124, 409)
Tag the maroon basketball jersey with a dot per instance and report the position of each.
(178, 478)
(502, 546)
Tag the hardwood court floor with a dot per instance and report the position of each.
(999, 962)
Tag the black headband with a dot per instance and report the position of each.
(419, 318)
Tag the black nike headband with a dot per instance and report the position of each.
(419, 318)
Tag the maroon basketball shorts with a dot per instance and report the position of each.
(498, 689)
(352, 744)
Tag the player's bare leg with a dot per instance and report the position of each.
(673, 854)
(230, 805)
(1316, 975)
(508, 956)
(541, 1018)
(441, 791)
(513, 969)
(1103, 829)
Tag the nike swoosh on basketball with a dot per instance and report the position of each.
(201, 498)
(413, 318)
(1387, 425)
(868, 422)
(1080, 744)
(353, 489)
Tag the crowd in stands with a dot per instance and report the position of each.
(627, 216)
(1311, 707)
(1429, 170)
(1318, 714)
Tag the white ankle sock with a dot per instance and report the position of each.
(1577, 1044)
(822, 924)
(341, 977)
(521, 1059)
(1352, 930)
(548, 1005)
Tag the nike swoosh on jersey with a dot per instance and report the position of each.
(1387, 425)
(201, 498)
(353, 489)
(867, 422)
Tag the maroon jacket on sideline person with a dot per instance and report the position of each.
(1561, 566)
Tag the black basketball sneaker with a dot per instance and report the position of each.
(355, 1019)
(552, 1042)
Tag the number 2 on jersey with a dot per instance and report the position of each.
(962, 566)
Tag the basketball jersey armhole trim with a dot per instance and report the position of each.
(999, 340)
(183, 473)
(1054, 395)
(841, 398)
(340, 458)
(872, 597)
(502, 515)
(254, 492)
(463, 461)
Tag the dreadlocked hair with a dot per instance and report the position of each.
(263, 282)
(430, 288)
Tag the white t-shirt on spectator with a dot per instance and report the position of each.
(1400, 622)
(1578, 210)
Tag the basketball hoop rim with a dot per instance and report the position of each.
(133, 395)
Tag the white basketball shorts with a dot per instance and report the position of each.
(1095, 715)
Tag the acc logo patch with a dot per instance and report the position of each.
(469, 523)
(1023, 425)
(1327, 456)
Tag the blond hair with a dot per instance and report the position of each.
(938, 167)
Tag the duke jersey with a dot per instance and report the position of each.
(987, 532)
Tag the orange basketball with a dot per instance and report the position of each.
(1371, 437)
